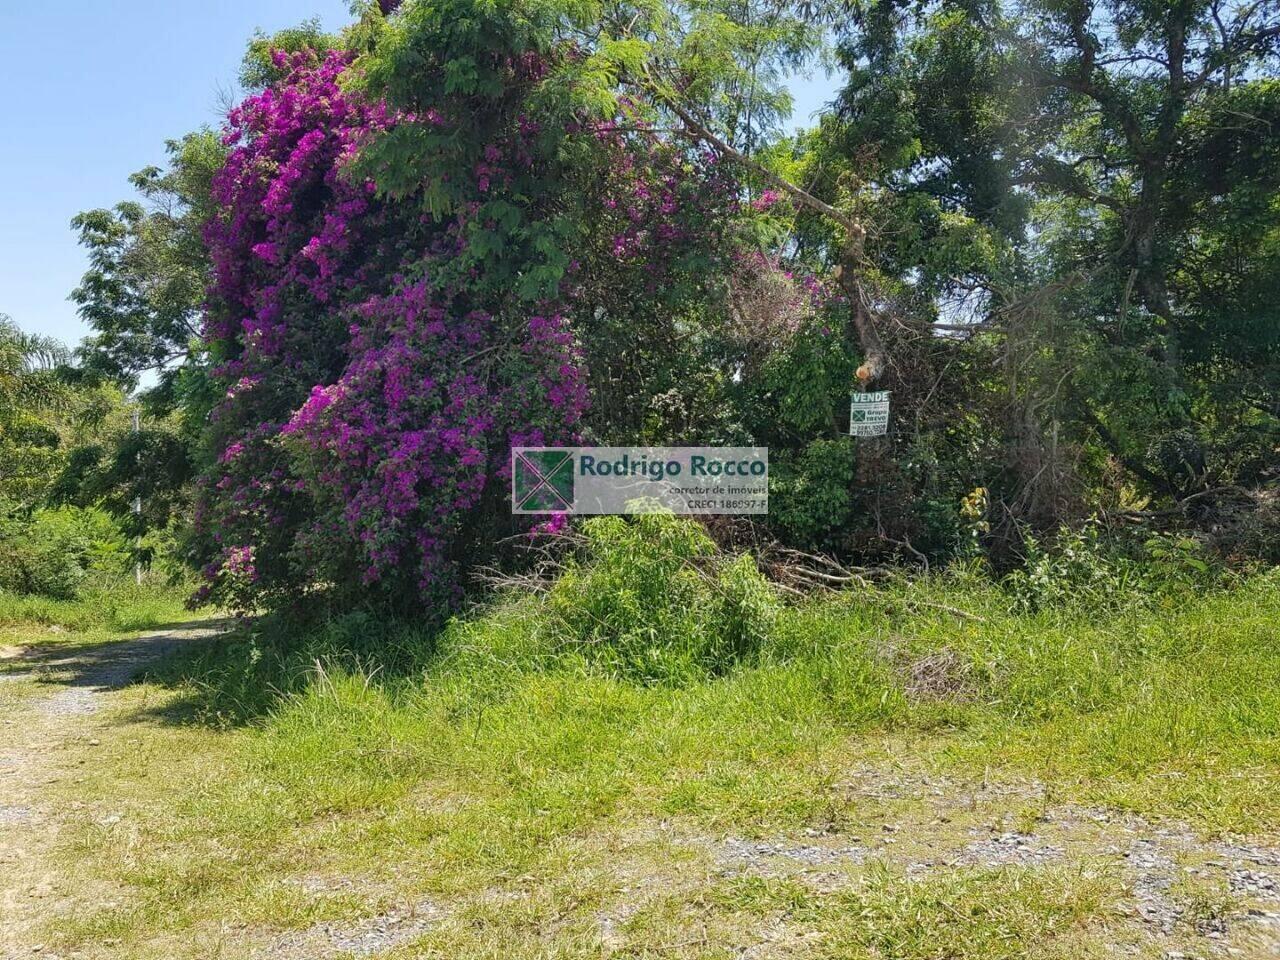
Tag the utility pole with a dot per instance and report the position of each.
(137, 511)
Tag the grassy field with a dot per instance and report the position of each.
(43, 628)
(912, 771)
(110, 611)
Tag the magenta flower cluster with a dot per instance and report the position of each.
(375, 363)
(366, 408)
(406, 441)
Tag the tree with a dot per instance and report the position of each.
(148, 269)
(412, 260)
(28, 370)
(371, 382)
(47, 414)
(461, 226)
(1100, 155)
(31, 392)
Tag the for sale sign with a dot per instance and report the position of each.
(869, 414)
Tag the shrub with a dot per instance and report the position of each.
(1085, 566)
(57, 551)
(811, 491)
(653, 600)
(389, 316)
(1250, 531)
(1073, 567)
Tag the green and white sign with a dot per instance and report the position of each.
(686, 480)
(869, 414)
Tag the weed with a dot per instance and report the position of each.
(654, 601)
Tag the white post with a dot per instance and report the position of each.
(137, 510)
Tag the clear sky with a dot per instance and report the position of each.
(94, 88)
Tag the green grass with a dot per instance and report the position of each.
(35, 628)
(988, 914)
(533, 786)
(1167, 709)
(119, 608)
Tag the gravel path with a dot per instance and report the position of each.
(1160, 862)
(75, 685)
(72, 686)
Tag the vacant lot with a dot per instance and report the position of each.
(897, 773)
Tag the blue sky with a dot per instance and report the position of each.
(93, 91)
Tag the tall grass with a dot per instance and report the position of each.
(517, 744)
(118, 606)
(1138, 701)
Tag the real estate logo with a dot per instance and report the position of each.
(542, 480)
(600, 480)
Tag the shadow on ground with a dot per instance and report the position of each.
(99, 667)
(228, 676)
(254, 665)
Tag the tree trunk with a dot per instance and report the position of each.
(875, 358)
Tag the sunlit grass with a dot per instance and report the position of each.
(490, 765)
(120, 608)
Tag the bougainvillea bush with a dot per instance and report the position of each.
(404, 290)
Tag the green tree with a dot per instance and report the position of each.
(1095, 183)
(148, 269)
(31, 395)
(715, 70)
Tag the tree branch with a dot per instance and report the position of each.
(876, 359)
